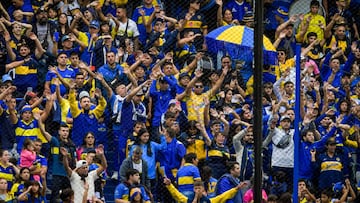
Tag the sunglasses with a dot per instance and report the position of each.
(281, 53)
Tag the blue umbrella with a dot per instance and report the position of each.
(238, 42)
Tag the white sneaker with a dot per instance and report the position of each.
(115, 175)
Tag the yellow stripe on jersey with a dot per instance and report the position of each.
(185, 180)
(24, 70)
(7, 176)
(54, 150)
(331, 166)
(27, 132)
(193, 24)
(218, 153)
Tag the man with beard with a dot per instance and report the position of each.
(26, 66)
(81, 174)
(42, 28)
(338, 37)
(103, 45)
(112, 71)
(62, 71)
(332, 70)
(244, 147)
(85, 118)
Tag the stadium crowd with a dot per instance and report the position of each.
(126, 91)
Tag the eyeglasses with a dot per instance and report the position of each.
(90, 137)
(199, 86)
(281, 53)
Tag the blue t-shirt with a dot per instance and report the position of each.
(68, 74)
(57, 166)
(238, 10)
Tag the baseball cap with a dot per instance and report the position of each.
(248, 17)
(283, 12)
(65, 37)
(83, 94)
(140, 93)
(284, 117)
(6, 78)
(182, 75)
(94, 24)
(81, 163)
(338, 187)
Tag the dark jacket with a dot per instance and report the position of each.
(128, 164)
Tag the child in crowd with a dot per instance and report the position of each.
(28, 156)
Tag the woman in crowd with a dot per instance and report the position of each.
(34, 192)
(4, 195)
(150, 150)
(88, 144)
(8, 170)
(19, 186)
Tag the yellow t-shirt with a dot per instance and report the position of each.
(314, 25)
(195, 104)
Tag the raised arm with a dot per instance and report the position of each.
(7, 38)
(42, 128)
(186, 40)
(282, 26)
(219, 16)
(108, 89)
(65, 154)
(188, 88)
(103, 165)
(220, 81)
(4, 12)
(327, 32)
(39, 51)
(15, 64)
(137, 89)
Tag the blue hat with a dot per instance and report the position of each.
(94, 24)
(283, 12)
(337, 188)
(26, 108)
(184, 74)
(6, 78)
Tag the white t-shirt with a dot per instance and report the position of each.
(138, 166)
(132, 30)
(78, 185)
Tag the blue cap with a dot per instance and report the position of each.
(6, 78)
(283, 12)
(337, 188)
(26, 108)
(94, 24)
